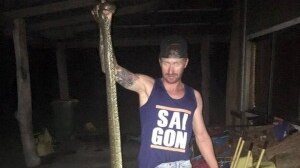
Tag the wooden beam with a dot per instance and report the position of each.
(271, 77)
(47, 24)
(118, 42)
(208, 9)
(275, 28)
(244, 76)
(205, 82)
(88, 17)
(130, 42)
(74, 4)
(60, 22)
(234, 62)
(49, 8)
(148, 6)
(68, 32)
(170, 25)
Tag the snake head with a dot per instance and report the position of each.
(103, 9)
(108, 7)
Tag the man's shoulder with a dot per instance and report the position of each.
(146, 81)
(192, 88)
(146, 78)
(195, 91)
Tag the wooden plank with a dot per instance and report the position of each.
(299, 108)
(68, 32)
(271, 77)
(234, 59)
(177, 24)
(50, 8)
(288, 145)
(148, 6)
(60, 22)
(88, 17)
(208, 9)
(205, 86)
(24, 113)
(74, 4)
(244, 76)
(248, 75)
(275, 28)
(127, 42)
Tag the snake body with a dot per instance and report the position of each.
(104, 13)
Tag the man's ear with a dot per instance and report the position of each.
(186, 62)
(159, 61)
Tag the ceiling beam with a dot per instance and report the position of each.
(121, 42)
(49, 8)
(169, 25)
(70, 31)
(85, 21)
(189, 10)
(138, 41)
(145, 7)
(60, 22)
(74, 4)
(85, 18)
(274, 28)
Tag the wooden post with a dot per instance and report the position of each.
(62, 72)
(205, 65)
(299, 106)
(234, 65)
(245, 64)
(24, 114)
(248, 76)
(252, 52)
(271, 82)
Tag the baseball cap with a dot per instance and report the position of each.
(173, 46)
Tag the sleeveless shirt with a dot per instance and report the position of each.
(166, 125)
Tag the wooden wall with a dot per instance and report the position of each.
(267, 13)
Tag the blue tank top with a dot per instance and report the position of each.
(166, 125)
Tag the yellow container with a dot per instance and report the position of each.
(265, 165)
(242, 161)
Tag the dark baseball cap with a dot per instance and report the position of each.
(173, 46)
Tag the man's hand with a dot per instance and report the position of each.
(103, 9)
(102, 14)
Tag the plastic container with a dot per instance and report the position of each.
(63, 118)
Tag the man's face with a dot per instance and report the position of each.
(172, 68)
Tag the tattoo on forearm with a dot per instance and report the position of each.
(125, 77)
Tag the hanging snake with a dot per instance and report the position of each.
(103, 15)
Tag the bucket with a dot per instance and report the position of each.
(63, 118)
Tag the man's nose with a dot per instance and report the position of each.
(170, 69)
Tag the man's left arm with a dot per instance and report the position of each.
(202, 137)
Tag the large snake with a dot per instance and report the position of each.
(103, 15)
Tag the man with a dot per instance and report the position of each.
(170, 111)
